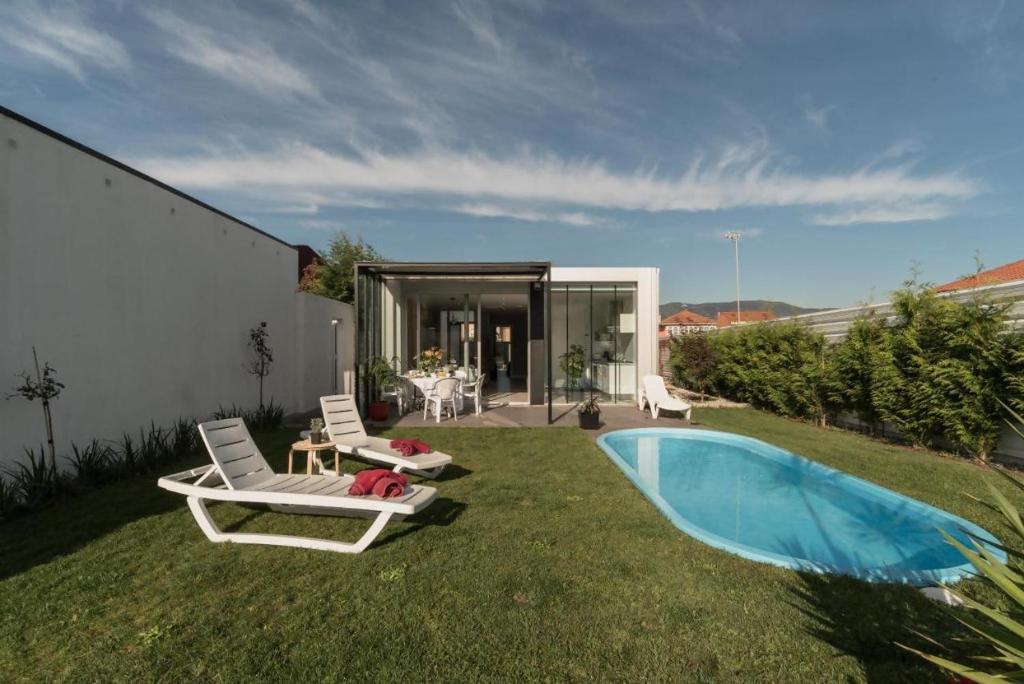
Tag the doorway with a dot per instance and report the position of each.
(504, 320)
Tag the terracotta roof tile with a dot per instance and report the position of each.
(1000, 274)
(727, 318)
(687, 317)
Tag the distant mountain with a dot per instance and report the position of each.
(711, 309)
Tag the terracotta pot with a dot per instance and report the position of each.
(379, 411)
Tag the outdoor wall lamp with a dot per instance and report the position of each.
(334, 375)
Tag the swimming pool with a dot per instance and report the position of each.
(764, 503)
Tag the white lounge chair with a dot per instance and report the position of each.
(658, 399)
(346, 429)
(240, 473)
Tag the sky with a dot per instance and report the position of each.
(848, 143)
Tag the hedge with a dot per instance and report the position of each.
(935, 373)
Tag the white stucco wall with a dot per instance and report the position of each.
(141, 300)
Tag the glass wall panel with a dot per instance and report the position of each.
(576, 361)
(593, 341)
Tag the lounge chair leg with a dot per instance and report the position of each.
(214, 534)
(430, 474)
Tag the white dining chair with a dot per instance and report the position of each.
(475, 392)
(444, 390)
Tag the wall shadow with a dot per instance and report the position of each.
(39, 536)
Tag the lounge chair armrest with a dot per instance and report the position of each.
(186, 475)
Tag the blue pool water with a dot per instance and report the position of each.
(769, 505)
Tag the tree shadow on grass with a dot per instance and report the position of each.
(866, 621)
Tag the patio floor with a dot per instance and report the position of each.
(617, 417)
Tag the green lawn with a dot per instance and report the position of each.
(539, 561)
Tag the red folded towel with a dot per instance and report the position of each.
(410, 447)
(378, 481)
(388, 487)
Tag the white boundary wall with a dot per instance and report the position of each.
(142, 300)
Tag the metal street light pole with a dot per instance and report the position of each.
(735, 237)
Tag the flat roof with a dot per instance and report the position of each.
(393, 269)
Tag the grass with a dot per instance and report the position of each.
(540, 561)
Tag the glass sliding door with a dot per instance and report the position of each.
(593, 341)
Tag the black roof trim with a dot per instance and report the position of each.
(135, 172)
(456, 268)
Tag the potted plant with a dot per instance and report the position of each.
(385, 378)
(590, 414)
(429, 360)
(572, 364)
(316, 430)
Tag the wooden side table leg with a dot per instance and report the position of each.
(337, 462)
(291, 457)
(309, 462)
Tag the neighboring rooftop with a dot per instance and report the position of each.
(1000, 274)
(727, 318)
(687, 317)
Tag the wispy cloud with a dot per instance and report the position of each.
(246, 62)
(818, 116)
(62, 37)
(883, 214)
(737, 178)
(569, 218)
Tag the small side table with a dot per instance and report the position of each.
(313, 453)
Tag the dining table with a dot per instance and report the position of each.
(424, 383)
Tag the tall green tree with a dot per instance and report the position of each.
(333, 274)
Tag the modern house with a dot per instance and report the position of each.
(686, 322)
(515, 322)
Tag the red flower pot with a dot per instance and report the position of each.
(379, 411)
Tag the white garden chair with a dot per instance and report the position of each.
(345, 428)
(658, 399)
(239, 473)
(474, 391)
(444, 390)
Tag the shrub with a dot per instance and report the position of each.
(943, 370)
(92, 464)
(33, 482)
(267, 417)
(36, 481)
(693, 361)
(937, 371)
(781, 368)
(9, 499)
(853, 363)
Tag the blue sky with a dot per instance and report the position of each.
(846, 141)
